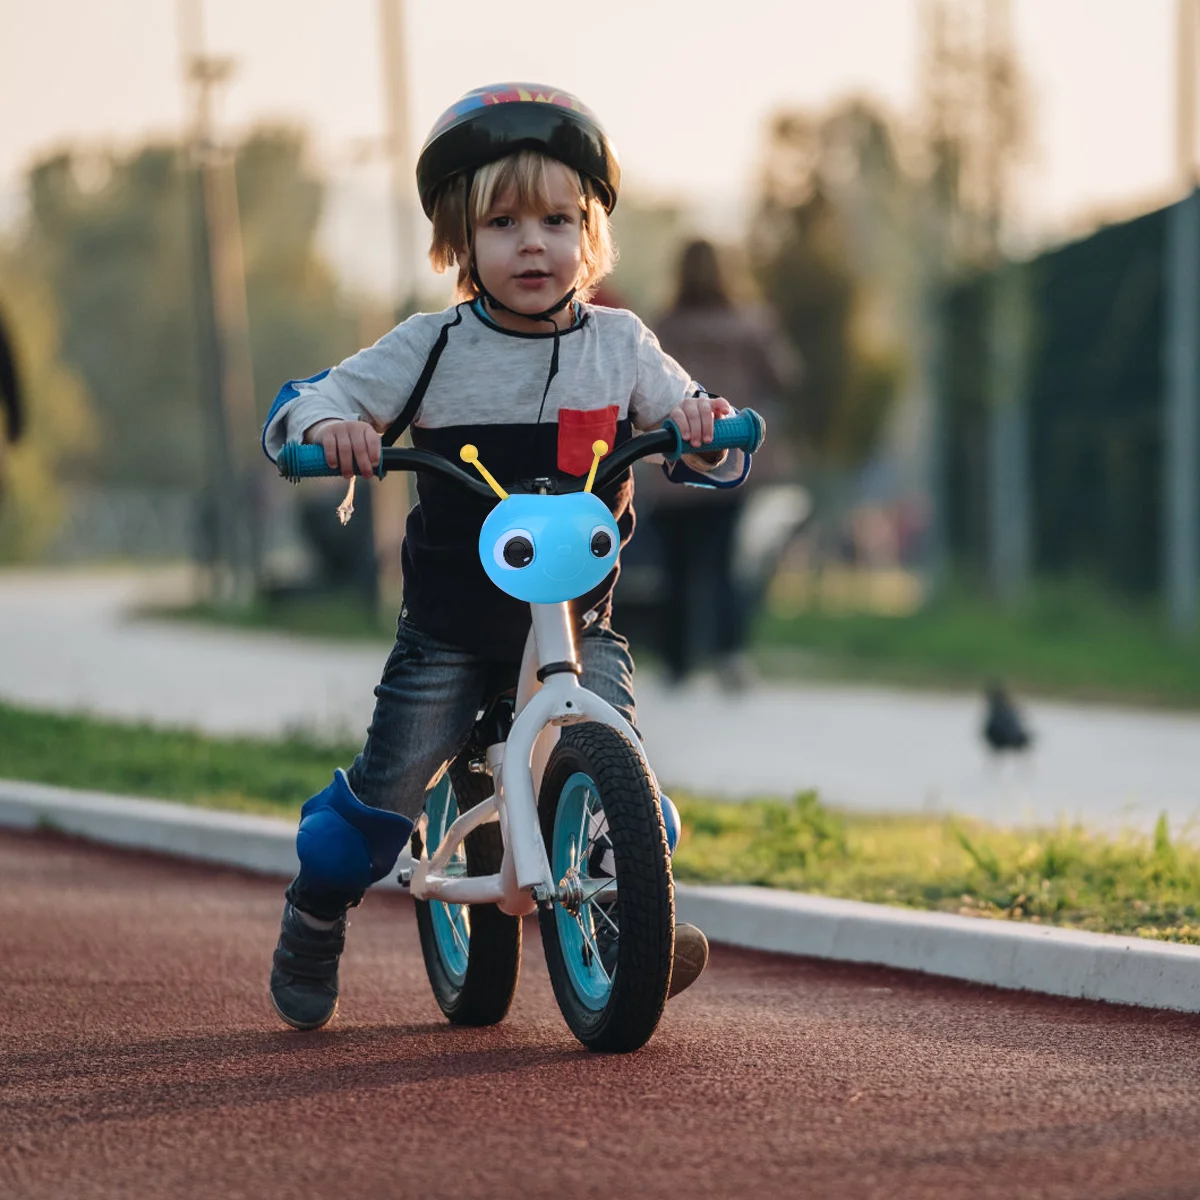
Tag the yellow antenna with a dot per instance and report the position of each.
(599, 449)
(470, 455)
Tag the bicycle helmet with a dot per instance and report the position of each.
(491, 122)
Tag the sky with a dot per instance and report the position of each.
(683, 86)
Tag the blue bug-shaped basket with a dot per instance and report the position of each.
(547, 549)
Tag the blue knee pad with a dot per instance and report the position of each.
(345, 844)
(671, 821)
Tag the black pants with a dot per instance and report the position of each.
(703, 614)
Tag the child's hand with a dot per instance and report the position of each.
(695, 417)
(350, 446)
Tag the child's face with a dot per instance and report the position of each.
(529, 260)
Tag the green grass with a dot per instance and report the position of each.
(1148, 886)
(248, 775)
(1066, 640)
(1063, 876)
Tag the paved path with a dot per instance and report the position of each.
(67, 642)
(138, 1059)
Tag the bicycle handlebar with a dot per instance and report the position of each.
(744, 431)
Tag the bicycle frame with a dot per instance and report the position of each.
(516, 766)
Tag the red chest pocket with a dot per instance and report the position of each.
(578, 428)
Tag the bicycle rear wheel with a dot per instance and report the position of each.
(609, 937)
(472, 952)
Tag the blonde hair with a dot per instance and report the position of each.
(525, 175)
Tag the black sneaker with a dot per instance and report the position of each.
(304, 972)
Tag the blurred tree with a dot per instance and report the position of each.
(649, 236)
(819, 265)
(975, 123)
(298, 322)
(57, 422)
(110, 235)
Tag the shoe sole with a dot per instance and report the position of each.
(305, 1026)
(691, 957)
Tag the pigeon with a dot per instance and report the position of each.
(1003, 728)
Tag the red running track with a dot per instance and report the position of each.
(139, 1058)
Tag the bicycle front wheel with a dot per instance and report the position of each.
(609, 935)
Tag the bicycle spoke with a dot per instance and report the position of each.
(597, 825)
(587, 937)
(595, 953)
(596, 907)
(583, 822)
(453, 911)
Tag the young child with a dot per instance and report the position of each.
(518, 181)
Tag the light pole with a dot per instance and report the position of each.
(1009, 503)
(226, 366)
(389, 518)
(399, 149)
(933, 267)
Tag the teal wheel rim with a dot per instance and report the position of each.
(451, 922)
(582, 851)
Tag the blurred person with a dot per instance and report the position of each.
(518, 188)
(11, 400)
(606, 296)
(733, 350)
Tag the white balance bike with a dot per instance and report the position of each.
(552, 805)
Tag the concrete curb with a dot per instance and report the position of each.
(266, 845)
(1006, 954)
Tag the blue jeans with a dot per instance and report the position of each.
(425, 708)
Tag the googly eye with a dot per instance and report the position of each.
(513, 549)
(602, 542)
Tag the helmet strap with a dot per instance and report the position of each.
(547, 314)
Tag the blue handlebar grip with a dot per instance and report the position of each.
(745, 431)
(297, 461)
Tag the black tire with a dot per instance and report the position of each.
(494, 949)
(645, 905)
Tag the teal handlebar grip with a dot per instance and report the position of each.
(744, 431)
(297, 461)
